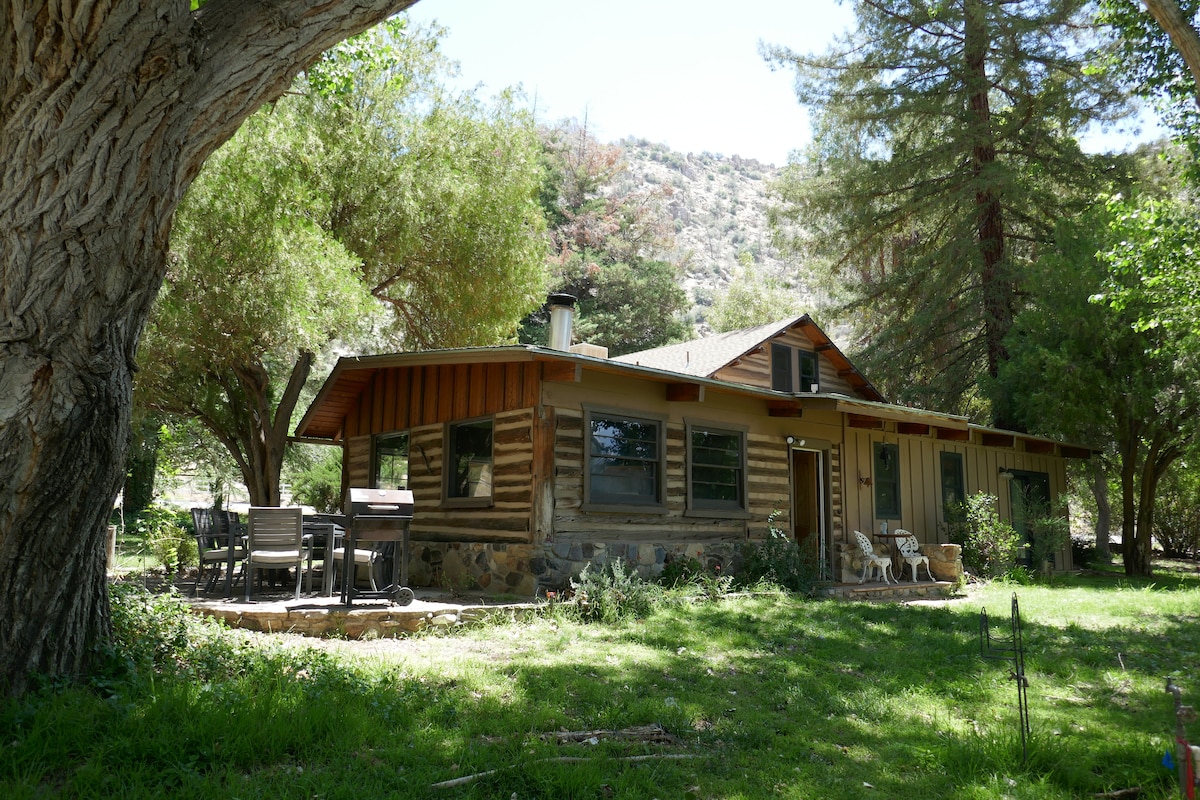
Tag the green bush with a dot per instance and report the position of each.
(318, 482)
(1048, 534)
(780, 561)
(613, 593)
(164, 535)
(681, 571)
(1177, 514)
(989, 545)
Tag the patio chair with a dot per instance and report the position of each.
(275, 540)
(362, 556)
(217, 546)
(910, 553)
(871, 561)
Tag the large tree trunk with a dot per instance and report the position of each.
(107, 112)
(1099, 483)
(995, 284)
(258, 446)
(1183, 33)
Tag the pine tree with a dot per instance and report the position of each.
(943, 154)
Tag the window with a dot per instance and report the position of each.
(468, 472)
(887, 481)
(625, 461)
(787, 362)
(953, 488)
(781, 368)
(391, 461)
(716, 469)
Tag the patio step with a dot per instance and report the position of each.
(886, 591)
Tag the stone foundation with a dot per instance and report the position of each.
(524, 570)
(527, 570)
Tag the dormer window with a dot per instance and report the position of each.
(793, 369)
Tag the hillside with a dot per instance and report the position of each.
(719, 205)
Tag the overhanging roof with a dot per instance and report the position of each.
(339, 394)
(707, 356)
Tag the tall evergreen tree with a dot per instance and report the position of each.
(943, 154)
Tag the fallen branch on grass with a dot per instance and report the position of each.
(465, 779)
(641, 733)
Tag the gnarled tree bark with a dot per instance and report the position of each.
(107, 112)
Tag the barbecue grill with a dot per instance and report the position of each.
(380, 515)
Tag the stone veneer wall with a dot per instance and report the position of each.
(528, 570)
(945, 561)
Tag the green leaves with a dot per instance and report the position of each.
(943, 156)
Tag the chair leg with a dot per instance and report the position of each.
(299, 575)
(248, 576)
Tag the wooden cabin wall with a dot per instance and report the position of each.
(768, 491)
(770, 484)
(507, 519)
(755, 368)
(920, 484)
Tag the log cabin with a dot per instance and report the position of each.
(529, 462)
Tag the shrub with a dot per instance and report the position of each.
(1177, 514)
(612, 593)
(163, 534)
(779, 560)
(1083, 551)
(680, 572)
(989, 545)
(318, 482)
(1048, 534)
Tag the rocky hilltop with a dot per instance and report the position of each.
(719, 206)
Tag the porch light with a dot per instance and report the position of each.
(1006, 474)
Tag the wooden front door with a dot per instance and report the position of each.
(808, 501)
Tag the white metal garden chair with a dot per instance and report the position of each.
(871, 561)
(910, 553)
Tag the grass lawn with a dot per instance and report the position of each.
(757, 697)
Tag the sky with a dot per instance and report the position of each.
(685, 74)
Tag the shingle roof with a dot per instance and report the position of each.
(703, 357)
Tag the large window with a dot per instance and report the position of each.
(887, 481)
(716, 469)
(468, 472)
(624, 460)
(793, 370)
(390, 470)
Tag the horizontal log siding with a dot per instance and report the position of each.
(507, 519)
(768, 491)
(755, 369)
(399, 398)
(920, 479)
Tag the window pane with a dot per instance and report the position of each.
(623, 461)
(716, 470)
(391, 461)
(953, 492)
(470, 459)
(808, 370)
(781, 368)
(887, 481)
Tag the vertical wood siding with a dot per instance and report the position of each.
(920, 479)
(399, 398)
